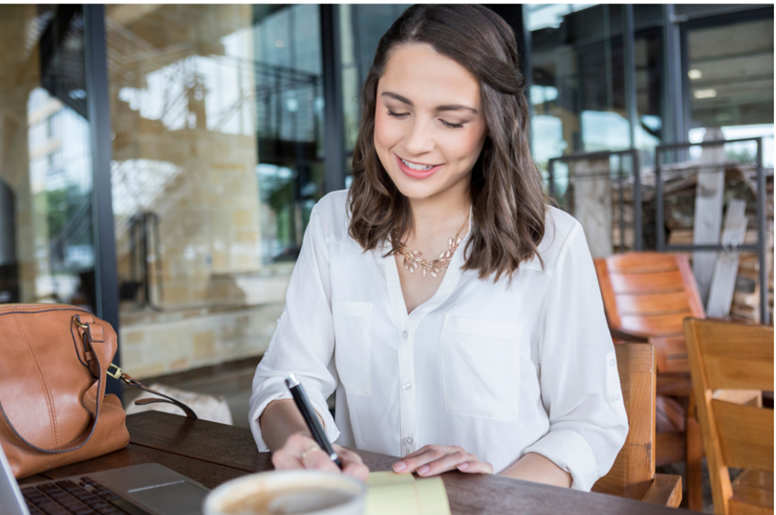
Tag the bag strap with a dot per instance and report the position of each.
(90, 331)
(121, 375)
(87, 337)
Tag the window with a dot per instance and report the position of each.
(729, 72)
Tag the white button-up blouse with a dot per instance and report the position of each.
(499, 369)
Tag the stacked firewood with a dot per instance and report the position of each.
(679, 193)
(746, 298)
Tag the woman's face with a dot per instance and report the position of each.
(429, 124)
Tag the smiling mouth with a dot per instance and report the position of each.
(416, 166)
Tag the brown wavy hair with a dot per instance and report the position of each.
(506, 185)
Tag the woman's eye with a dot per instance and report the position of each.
(397, 115)
(452, 125)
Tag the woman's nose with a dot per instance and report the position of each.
(419, 140)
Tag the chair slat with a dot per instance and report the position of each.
(745, 435)
(661, 282)
(652, 303)
(752, 493)
(755, 478)
(642, 262)
(658, 325)
(737, 356)
(745, 506)
(731, 373)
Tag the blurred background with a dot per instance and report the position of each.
(158, 163)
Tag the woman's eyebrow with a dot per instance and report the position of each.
(400, 98)
(405, 100)
(456, 107)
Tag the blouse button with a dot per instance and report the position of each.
(611, 362)
(406, 386)
(408, 440)
(404, 334)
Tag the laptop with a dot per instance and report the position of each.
(148, 489)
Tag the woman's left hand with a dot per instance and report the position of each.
(431, 460)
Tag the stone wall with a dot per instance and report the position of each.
(164, 343)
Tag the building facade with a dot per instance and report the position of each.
(158, 163)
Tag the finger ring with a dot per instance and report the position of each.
(308, 451)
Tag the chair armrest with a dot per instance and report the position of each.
(665, 490)
(628, 335)
(670, 354)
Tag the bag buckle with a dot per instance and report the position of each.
(118, 374)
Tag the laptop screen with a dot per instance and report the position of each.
(11, 500)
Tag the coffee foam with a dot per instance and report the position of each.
(284, 493)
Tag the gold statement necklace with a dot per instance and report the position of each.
(413, 260)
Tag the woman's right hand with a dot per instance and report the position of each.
(301, 452)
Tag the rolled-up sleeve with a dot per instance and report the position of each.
(303, 342)
(579, 382)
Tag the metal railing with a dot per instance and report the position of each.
(758, 247)
(661, 244)
(638, 242)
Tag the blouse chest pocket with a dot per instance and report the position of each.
(353, 344)
(481, 367)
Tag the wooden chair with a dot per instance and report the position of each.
(646, 296)
(726, 356)
(633, 473)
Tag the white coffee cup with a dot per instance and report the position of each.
(297, 492)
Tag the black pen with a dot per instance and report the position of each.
(300, 398)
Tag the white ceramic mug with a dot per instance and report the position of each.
(297, 492)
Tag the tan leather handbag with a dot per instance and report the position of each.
(54, 363)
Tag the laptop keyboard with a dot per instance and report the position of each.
(69, 498)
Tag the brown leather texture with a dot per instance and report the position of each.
(52, 377)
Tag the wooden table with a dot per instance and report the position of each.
(213, 453)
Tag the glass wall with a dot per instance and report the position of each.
(578, 69)
(648, 64)
(578, 95)
(577, 76)
(360, 29)
(217, 162)
(46, 245)
(579, 101)
(217, 118)
(729, 71)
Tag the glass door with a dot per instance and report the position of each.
(217, 116)
(46, 245)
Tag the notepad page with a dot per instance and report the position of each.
(388, 478)
(391, 494)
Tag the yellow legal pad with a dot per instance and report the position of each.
(394, 494)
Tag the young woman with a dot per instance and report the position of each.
(456, 316)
